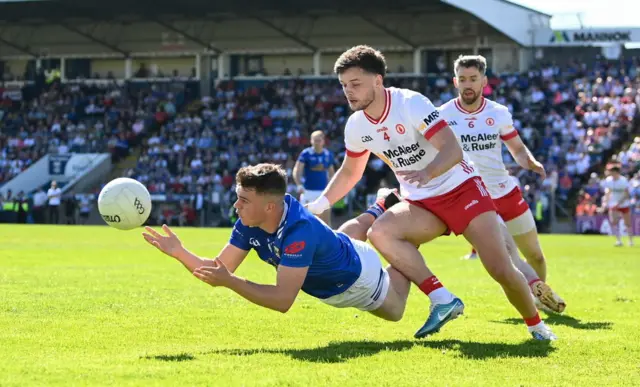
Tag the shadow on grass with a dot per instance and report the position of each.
(177, 358)
(338, 352)
(559, 319)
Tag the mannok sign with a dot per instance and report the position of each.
(586, 37)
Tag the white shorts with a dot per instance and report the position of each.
(370, 289)
(308, 196)
(522, 224)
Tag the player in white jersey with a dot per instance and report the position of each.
(442, 189)
(482, 126)
(617, 199)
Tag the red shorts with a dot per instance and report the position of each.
(511, 205)
(459, 207)
(622, 210)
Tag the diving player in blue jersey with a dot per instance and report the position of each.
(308, 255)
(312, 172)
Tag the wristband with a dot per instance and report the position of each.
(319, 205)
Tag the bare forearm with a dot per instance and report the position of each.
(297, 176)
(446, 159)
(340, 185)
(524, 157)
(191, 261)
(267, 296)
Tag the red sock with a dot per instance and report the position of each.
(473, 251)
(534, 281)
(430, 284)
(531, 321)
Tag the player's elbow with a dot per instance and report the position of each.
(284, 307)
(284, 304)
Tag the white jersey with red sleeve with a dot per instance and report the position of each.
(400, 137)
(617, 189)
(481, 134)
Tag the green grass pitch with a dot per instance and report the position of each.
(98, 306)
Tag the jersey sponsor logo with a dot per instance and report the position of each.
(294, 248)
(431, 118)
(400, 129)
(383, 129)
(254, 242)
(490, 121)
(366, 138)
(478, 142)
(405, 155)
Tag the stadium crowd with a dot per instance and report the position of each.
(571, 117)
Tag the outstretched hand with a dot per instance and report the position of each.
(216, 274)
(169, 244)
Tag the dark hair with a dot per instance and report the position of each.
(269, 179)
(364, 57)
(468, 61)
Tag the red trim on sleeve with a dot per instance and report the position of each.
(356, 154)
(435, 129)
(509, 136)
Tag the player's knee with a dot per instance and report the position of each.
(375, 232)
(393, 314)
(396, 315)
(502, 273)
(535, 256)
(379, 233)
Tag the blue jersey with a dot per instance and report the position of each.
(302, 240)
(316, 168)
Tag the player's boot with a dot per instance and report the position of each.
(542, 332)
(385, 199)
(540, 305)
(439, 315)
(618, 243)
(548, 297)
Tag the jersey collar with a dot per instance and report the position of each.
(283, 220)
(465, 111)
(385, 112)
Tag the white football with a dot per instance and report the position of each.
(124, 203)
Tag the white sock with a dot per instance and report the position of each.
(539, 325)
(440, 296)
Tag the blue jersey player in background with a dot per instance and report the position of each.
(308, 255)
(313, 171)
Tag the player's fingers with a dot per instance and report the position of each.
(206, 269)
(412, 178)
(148, 237)
(408, 174)
(404, 173)
(152, 232)
(168, 230)
(220, 264)
(199, 275)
